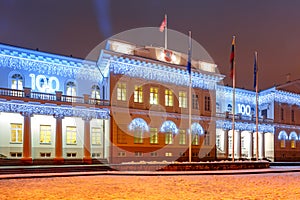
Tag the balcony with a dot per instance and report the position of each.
(58, 98)
(239, 117)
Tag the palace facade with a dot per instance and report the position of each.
(132, 104)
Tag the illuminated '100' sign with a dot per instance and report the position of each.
(244, 109)
(43, 84)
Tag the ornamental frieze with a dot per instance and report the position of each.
(56, 111)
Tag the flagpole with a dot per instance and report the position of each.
(190, 96)
(166, 32)
(233, 102)
(256, 107)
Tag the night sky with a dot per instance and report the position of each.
(271, 27)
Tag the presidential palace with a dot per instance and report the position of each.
(132, 105)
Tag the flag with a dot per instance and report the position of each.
(189, 64)
(232, 57)
(255, 69)
(163, 24)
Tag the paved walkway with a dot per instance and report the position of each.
(279, 169)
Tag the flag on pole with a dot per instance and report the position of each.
(163, 24)
(189, 64)
(255, 69)
(232, 57)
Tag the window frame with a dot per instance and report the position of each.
(153, 96)
(47, 134)
(138, 94)
(18, 133)
(121, 91)
(169, 97)
(71, 133)
(182, 99)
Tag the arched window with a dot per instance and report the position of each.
(197, 130)
(293, 138)
(95, 92)
(169, 128)
(71, 88)
(138, 126)
(282, 137)
(17, 82)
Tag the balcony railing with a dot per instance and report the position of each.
(228, 115)
(11, 92)
(26, 93)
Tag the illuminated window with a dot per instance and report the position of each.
(293, 138)
(195, 139)
(195, 101)
(207, 103)
(182, 137)
(207, 138)
(182, 99)
(154, 96)
(71, 135)
(121, 91)
(96, 136)
(168, 97)
(282, 137)
(168, 154)
(95, 92)
(138, 136)
(45, 134)
(293, 144)
(153, 136)
(17, 82)
(282, 143)
(138, 94)
(16, 131)
(71, 88)
(168, 138)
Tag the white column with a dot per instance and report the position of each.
(237, 145)
(226, 143)
(250, 153)
(262, 145)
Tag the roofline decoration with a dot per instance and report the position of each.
(162, 73)
(46, 63)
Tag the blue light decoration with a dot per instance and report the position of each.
(244, 126)
(282, 135)
(272, 95)
(197, 129)
(169, 127)
(138, 123)
(16, 106)
(241, 95)
(159, 72)
(46, 63)
(293, 136)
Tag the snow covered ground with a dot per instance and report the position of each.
(260, 186)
